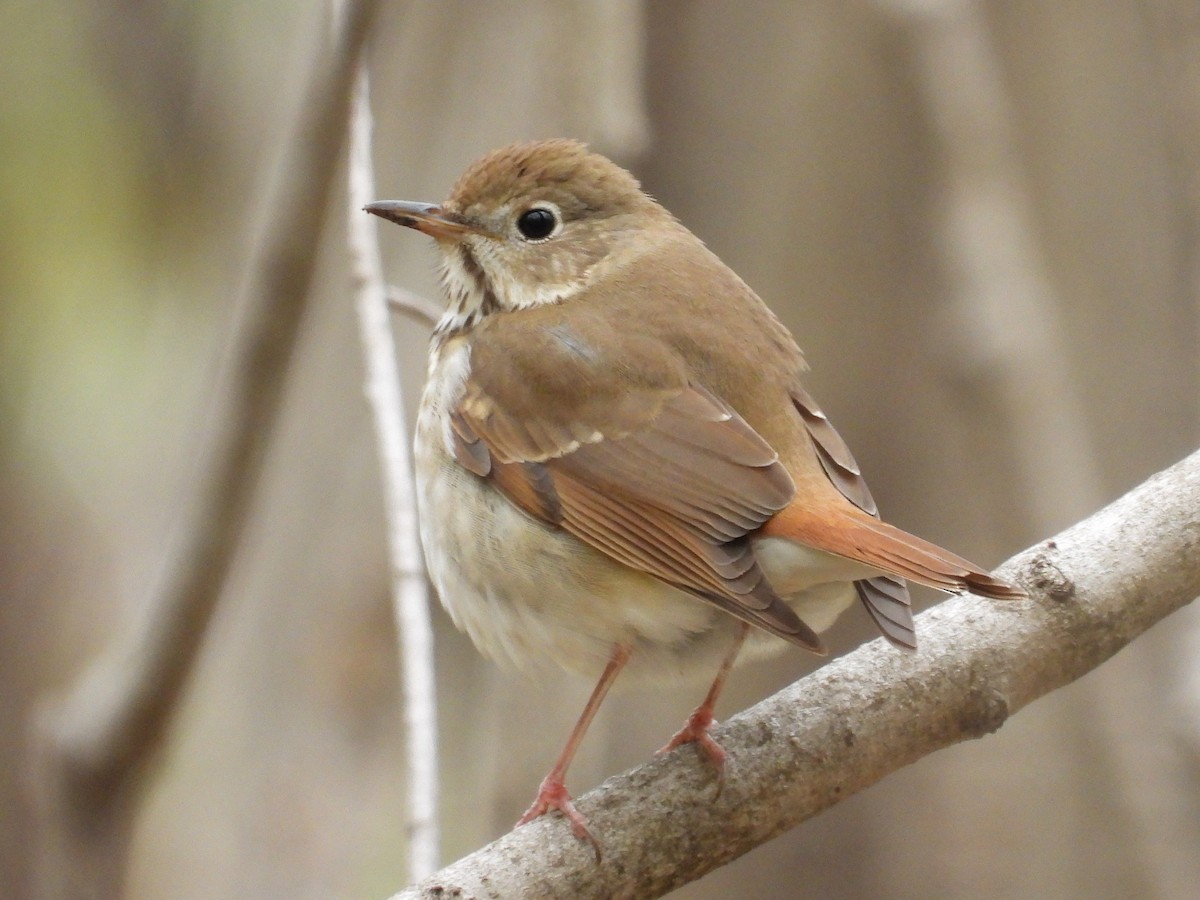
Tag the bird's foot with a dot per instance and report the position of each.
(552, 794)
(695, 731)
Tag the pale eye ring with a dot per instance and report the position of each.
(538, 223)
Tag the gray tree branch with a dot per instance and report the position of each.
(1094, 588)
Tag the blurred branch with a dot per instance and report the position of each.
(93, 746)
(1010, 351)
(1094, 588)
(410, 593)
(1016, 368)
(149, 49)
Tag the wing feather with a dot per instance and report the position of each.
(660, 475)
(886, 599)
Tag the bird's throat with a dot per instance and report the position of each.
(471, 294)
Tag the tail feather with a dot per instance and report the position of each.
(886, 599)
(860, 537)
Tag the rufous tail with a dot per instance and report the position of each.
(865, 539)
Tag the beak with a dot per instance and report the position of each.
(428, 218)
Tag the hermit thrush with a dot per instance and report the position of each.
(616, 461)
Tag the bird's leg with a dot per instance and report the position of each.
(552, 794)
(695, 729)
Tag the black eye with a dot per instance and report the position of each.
(537, 223)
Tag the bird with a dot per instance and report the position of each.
(618, 465)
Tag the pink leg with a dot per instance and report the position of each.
(695, 729)
(553, 791)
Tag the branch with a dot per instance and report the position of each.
(415, 305)
(410, 593)
(1094, 588)
(93, 746)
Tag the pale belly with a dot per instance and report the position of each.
(529, 595)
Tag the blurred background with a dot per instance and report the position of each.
(980, 219)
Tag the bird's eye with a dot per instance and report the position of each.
(537, 223)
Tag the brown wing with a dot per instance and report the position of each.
(885, 597)
(652, 470)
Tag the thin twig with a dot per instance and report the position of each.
(93, 746)
(1094, 588)
(414, 305)
(410, 596)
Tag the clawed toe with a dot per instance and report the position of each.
(553, 795)
(695, 731)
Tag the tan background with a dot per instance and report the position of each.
(806, 142)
